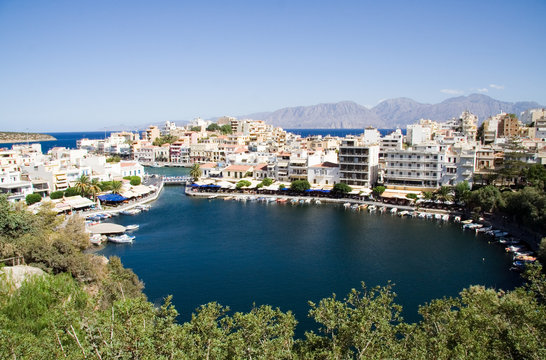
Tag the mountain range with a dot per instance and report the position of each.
(388, 113)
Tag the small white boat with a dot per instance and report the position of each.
(131, 212)
(394, 210)
(445, 217)
(403, 213)
(372, 208)
(121, 239)
(317, 202)
(132, 227)
(382, 209)
(347, 205)
(97, 239)
(213, 196)
(144, 207)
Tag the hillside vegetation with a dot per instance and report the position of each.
(11, 137)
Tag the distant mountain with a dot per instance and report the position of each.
(387, 114)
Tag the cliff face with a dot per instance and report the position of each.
(11, 137)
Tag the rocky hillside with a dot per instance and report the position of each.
(387, 114)
(12, 137)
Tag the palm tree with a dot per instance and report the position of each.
(94, 188)
(82, 185)
(195, 172)
(116, 187)
(444, 194)
(429, 195)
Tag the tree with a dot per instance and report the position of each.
(165, 139)
(226, 129)
(94, 188)
(196, 128)
(444, 194)
(33, 198)
(242, 183)
(267, 181)
(82, 185)
(342, 188)
(213, 127)
(461, 192)
(195, 172)
(411, 196)
(429, 195)
(487, 198)
(300, 185)
(378, 190)
(536, 176)
(116, 186)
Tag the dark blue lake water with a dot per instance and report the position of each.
(202, 250)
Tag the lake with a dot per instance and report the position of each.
(238, 254)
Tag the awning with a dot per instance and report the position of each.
(112, 197)
(78, 202)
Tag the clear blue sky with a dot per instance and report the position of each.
(84, 65)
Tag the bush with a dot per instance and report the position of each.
(260, 185)
(135, 180)
(243, 183)
(378, 190)
(412, 196)
(113, 159)
(71, 192)
(33, 198)
(300, 185)
(213, 127)
(342, 188)
(56, 195)
(267, 181)
(105, 185)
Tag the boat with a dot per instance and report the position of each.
(317, 202)
(484, 229)
(282, 200)
(438, 216)
(144, 207)
(394, 210)
(347, 205)
(372, 208)
(121, 239)
(457, 219)
(97, 239)
(507, 241)
(228, 198)
(466, 222)
(445, 217)
(525, 258)
(131, 212)
(363, 207)
(422, 215)
(514, 248)
(403, 213)
(213, 196)
(382, 209)
(355, 207)
(308, 201)
(132, 227)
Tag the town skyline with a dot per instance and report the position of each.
(67, 65)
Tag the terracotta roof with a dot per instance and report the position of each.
(127, 164)
(207, 166)
(261, 166)
(326, 164)
(238, 168)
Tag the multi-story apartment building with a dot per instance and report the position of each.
(418, 168)
(358, 162)
(179, 153)
(417, 134)
(508, 125)
(469, 125)
(538, 117)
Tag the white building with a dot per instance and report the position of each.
(358, 162)
(325, 173)
(417, 168)
(417, 134)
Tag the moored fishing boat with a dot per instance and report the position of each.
(121, 239)
(132, 227)
(97, 239)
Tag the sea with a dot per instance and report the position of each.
(248, 254)
(68, 139)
